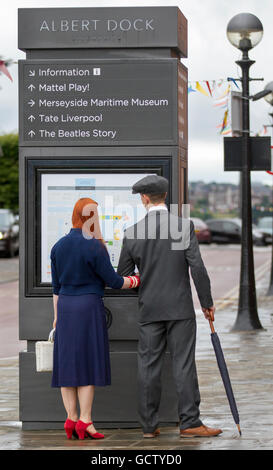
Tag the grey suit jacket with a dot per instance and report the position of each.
(164, 247)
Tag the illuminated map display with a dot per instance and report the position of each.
(118, 208)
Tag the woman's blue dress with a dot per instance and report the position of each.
(81, 268)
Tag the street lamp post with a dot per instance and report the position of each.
(245, 31)
(269, 99)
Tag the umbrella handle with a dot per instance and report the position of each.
(211, 326)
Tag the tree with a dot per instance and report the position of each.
(9, 172)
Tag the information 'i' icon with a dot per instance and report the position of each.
(96, 71)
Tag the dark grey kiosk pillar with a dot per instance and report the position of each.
(103, 101)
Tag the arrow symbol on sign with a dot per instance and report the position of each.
(31, 133)
(31, 103)
(31, 118)
(31, 73)
(31, 87)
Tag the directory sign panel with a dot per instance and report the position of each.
(102, 102)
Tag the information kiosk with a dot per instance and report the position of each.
(102, 103)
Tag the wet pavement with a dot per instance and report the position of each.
(249, 357)
(8, 269)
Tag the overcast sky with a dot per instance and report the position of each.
(210, 57)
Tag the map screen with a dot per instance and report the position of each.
(118, 208)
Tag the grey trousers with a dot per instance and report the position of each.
(180, 336)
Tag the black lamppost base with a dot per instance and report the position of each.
(247, 321)
(243, 326)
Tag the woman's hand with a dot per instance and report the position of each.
(55, 302)
(130, 282)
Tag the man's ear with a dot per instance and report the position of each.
(145, 199)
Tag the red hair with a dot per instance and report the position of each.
(85, 216)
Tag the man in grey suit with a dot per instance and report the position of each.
(163, 247)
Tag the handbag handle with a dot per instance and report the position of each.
(51, 336)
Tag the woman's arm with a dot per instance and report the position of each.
(105, 270)
(55, 301)
(55, 278)
(55, 284)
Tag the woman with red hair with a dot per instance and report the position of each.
(81, 269)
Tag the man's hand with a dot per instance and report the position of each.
(209, 313)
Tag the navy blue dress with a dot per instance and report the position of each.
(81, 269)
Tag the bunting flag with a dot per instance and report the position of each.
(263, 131)
(190, 89)
(208, 87)
(226, 92)
(224, 123)
(226, 128)
(221, 103)
(233, 81)
(4, 69)
(201, 89)
(225, 120)
(213, 86)
(226, 131)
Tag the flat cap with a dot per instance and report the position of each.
(151, 184)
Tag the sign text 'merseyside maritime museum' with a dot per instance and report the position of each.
(102, 103)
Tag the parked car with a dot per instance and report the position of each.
(202, 231)
(9, 233)
(265, 225)
(229, 231)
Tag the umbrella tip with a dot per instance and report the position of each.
(239, 429)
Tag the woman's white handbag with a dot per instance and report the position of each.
(44, 354)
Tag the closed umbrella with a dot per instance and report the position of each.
(225, 375)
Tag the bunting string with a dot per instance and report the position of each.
(220, 92)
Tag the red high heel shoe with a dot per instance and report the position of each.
(69, 427)
(82, 432)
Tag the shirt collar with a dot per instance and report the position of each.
(75, 230)
(159, 207)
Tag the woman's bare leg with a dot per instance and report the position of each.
(86, 397)
(69, 396)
